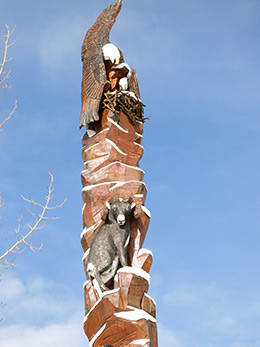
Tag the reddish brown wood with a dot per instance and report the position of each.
(148, 305)
(124, 316)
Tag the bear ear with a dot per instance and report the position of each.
(105, 211)
(133, 205)
(137, 210)
(104, 214)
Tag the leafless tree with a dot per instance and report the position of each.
(5, 73)
(39, 211)
(21, 241)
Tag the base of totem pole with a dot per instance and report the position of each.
(125, 315)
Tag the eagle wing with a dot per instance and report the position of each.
(133, 84)
(94, 72)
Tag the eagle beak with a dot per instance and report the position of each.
(116, 61)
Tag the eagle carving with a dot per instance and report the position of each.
(101, 60)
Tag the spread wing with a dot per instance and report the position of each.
(133, 84)
(94, 72)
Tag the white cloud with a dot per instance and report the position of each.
(50, 127)
(193, 293)
(58, 335)
(11, 288)
(40, 312)
(150, 51)
(59, 46)
(168, 337)
(214, 314)
(181, 298)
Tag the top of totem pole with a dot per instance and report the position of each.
(108, 81)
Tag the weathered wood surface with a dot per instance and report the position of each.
(124, 316)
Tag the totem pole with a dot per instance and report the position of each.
(118, 310)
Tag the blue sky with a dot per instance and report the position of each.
(198, 65)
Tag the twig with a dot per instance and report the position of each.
(5, 72)
(5, 75)
(10, 115)
(125, 102)
(22, 240)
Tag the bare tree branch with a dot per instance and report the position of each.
(1, 304)
(1, 201)
(10, 115)
(21, 242)
(1, 205)
(5, 72)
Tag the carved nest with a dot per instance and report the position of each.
(126, 102)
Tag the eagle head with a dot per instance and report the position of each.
(111, 52)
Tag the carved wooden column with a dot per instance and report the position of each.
(118, 310)
(125, 315)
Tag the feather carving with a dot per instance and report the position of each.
(133, 84)
(94, 72)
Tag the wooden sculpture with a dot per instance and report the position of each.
(118, 310)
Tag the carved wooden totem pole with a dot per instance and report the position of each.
(118, 310)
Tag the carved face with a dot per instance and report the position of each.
(120, 211)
